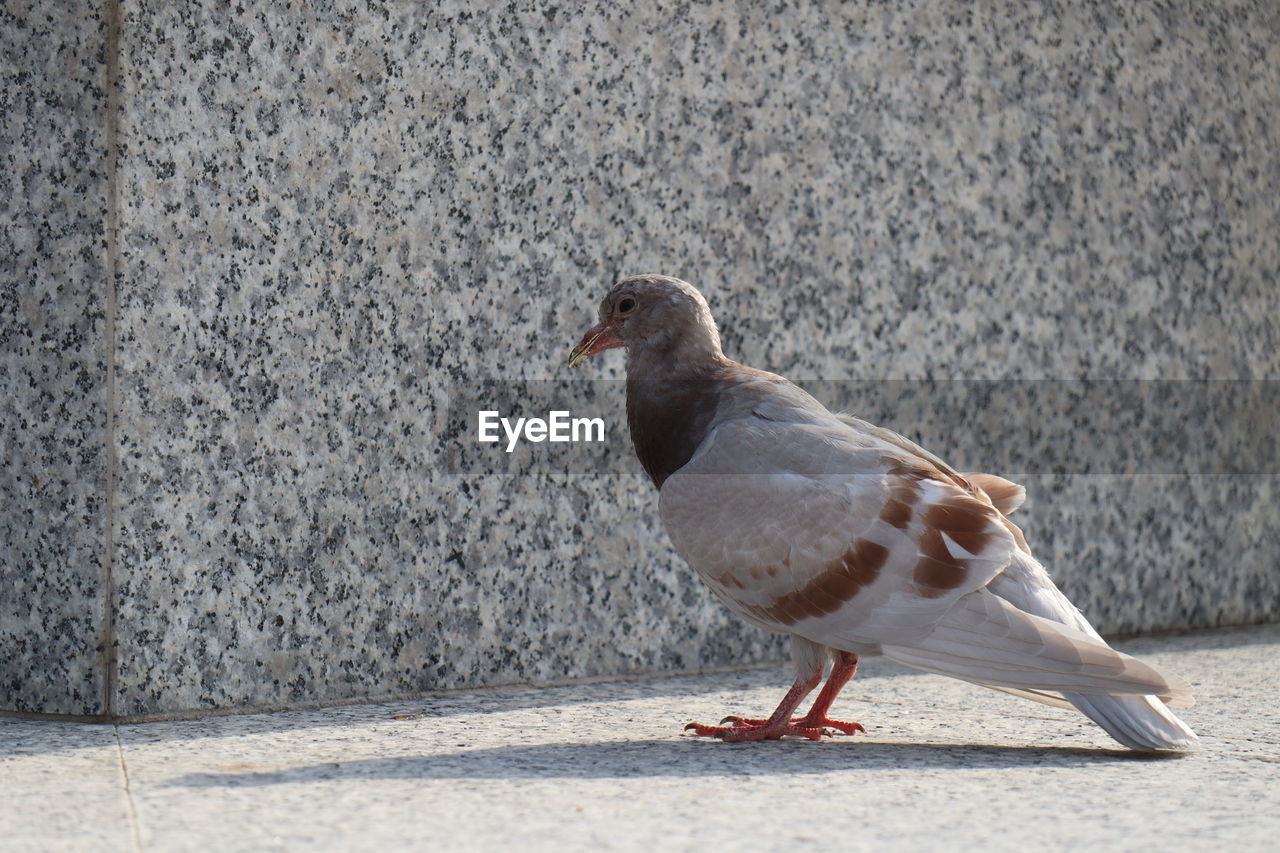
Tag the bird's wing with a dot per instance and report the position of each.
(808, 526)
(1004, 495)
(985, 639)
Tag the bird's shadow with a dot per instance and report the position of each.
(683, 757)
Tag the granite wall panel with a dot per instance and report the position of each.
(53, 388)
(344, 228)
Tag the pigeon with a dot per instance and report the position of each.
(851, 538)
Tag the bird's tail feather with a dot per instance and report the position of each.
(986, 640)
(1138, 722)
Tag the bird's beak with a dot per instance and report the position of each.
(597, 339)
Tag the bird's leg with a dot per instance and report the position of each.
(844, 668)
(777, 725)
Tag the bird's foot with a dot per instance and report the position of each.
(807, 722)
(751, 730)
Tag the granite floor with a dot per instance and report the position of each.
(606, 766)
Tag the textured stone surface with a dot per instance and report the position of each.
(65, 787)
(53, 492)
(337, 220)
(606, 766)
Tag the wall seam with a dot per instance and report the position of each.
(111, 249)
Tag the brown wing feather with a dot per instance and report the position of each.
(1005, 495)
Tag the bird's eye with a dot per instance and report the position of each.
(626, 305)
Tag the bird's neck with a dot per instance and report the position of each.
(690, 357)
(670, 411)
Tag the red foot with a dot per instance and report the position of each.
(808, 722)
(761, 731)
(812, 725)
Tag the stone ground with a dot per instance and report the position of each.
(606, 766)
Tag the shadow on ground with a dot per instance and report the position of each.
(682, 758)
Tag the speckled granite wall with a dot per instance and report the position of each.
(53, 492)
(343, 227)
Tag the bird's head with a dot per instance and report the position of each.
(654, 317)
